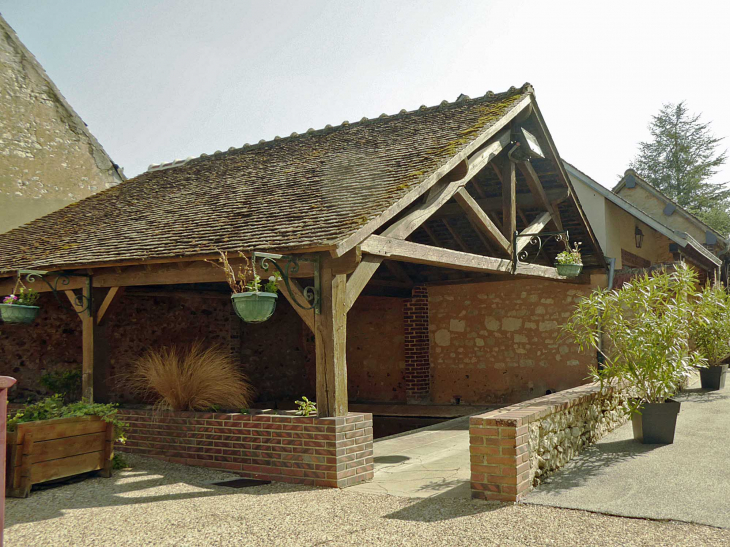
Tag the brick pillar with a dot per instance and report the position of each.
(418, 361)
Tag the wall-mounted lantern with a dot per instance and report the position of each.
(639, 235)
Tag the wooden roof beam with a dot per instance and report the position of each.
(406, 251)
(535, 227)
(533, 182)
(481, 221)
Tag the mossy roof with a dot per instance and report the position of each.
(300, 192)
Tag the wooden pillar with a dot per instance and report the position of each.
(88, 323)
(330, 340)
(509, 205)
(5, 383)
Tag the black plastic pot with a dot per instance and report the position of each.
(656, 423)
(713, 377)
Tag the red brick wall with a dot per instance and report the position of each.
(334, 452)
(497, 342)
(417, 347)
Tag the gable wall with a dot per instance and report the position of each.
(46, 160)
(654, 207)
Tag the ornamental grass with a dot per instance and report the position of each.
(193, 377)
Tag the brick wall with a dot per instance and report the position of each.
(333, 452)
(497, 342)
(512, 449)
(417, 346)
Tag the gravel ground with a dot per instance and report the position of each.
(157, 503)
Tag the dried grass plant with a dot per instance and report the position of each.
(190, 378)
(235, 276)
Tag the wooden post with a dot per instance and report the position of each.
(330, 341)
(5, 383)
(509, 205)
(88, 322)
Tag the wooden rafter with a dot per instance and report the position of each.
(509, 201)
(398, 271)
(480, 219)
(432, 235)
(535, 227)
(533, 182)
(406, 251)
(441, 193)
(455, 235)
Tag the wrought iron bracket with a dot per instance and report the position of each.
(536, 240)
(311, 294)
(83, 300)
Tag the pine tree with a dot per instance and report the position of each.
(680, 159)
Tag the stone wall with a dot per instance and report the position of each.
(48, 158)
(333, 452)
(514, 448)
(497, 342)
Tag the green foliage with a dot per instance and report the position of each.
(25, 297)
(119, 462)
(270, 286)
(306, 407)
(570, 256)
(646, 326)
(53, 407)
(710, 330)
(64, 382)
(680, 159)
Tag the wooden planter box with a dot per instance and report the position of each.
(53, 449)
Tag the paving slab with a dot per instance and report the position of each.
(427, 462)
(686, 481)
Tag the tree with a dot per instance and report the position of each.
(680, 159)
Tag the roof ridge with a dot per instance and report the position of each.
(526, 88)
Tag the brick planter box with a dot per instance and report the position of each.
(334, 452)
(512, 449)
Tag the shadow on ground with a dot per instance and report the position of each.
(434, 510)
(594, 460)
(126, 487)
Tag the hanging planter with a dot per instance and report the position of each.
(569, 262)
(255, 306)
(20, 308)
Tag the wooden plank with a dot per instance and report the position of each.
(297, 293)
(62, 427)
(108, 458)
(509, 201)
(330, 343)
(66, 467)
(111, 301)
(481, 221)
(396, 249)
(535, 227)
(67, 446)
(537, 190)
(359, 278)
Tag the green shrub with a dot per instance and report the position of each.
(119, 462)
(710, 329)
(64, 382)
(53, 407)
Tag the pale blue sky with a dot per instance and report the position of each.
(159, 80)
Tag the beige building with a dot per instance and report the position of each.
(634, 231)
(48, 157)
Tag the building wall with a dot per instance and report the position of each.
(498, 342)
(654, 207)
(594, 206)
(47, 157)
(655, 246)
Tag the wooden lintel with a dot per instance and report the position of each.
(480, 219)
(535, 227)
(297, 295)
(405, 251)
(110, 302)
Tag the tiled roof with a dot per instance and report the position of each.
(301, 192)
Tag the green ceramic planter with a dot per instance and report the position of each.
(569, 270)
(15, 313)
(254, 307)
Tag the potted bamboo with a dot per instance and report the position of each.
(642, 330)
(711, 334)
(569, 262)
(253, 301)
(20, 307)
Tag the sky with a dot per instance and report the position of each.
(160, 80)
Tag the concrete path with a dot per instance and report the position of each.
(685, 481)
(427, 462)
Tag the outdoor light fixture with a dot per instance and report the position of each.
(639, 235)
(526, 146)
